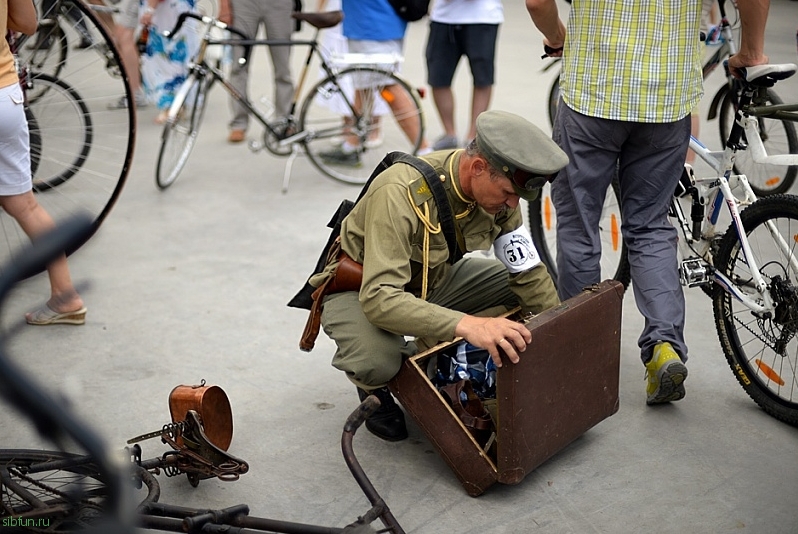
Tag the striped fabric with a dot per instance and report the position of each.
(633, 60)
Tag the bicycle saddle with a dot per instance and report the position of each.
(326, 19)
(767, 75)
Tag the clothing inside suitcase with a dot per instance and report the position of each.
(542, 403)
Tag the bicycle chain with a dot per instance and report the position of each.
(50, 489)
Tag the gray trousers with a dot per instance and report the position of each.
(275, 15)
(371, 356)
(650, 159)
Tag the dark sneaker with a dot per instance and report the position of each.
(666, 374)
(388, 422)
(338, 156)
(84, 43)
(445, 142)
(42, 42)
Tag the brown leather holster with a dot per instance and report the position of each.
(347, 276)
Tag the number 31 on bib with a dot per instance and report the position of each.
(516, 250)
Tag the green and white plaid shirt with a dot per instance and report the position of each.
(633, 60)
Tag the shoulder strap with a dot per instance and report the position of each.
(441, 200)
(438, 193)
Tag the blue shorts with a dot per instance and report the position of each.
(447, 43)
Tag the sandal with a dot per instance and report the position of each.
(47, 316)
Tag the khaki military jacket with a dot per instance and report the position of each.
(385, 233)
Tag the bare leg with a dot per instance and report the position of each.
(444, 103)
(125, 43)
(480, 101)
(105, 18)
(34, 221)
(404, 111)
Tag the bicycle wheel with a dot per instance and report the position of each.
(388, 117)
(86, 179)
(60, 129)
(67, 496)
(762, 349)
(46, 50)
(543, 227)
(778, 136)
(180, 132)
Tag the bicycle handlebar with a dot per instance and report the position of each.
(181, 19)
(361, 413)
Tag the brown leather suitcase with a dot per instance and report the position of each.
(565, 383)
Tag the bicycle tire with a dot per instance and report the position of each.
(35, 139)
(61, 119)
(95, 74)
(180, 132)
(762, 351)
(376, 133)
(778, 136)
(554, 100)
(47, 500)
(614, 256)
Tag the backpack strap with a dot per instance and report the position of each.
(439, 195)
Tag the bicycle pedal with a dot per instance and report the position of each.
(694, 272)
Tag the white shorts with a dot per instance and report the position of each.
(371, 53)
(15, 176)
(128, 16)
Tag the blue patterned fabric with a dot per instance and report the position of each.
(465, 361)
(165, 62)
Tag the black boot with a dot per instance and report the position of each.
(388, 422)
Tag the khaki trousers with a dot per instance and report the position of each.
(371, 356)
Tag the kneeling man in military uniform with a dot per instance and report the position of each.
(410, 286)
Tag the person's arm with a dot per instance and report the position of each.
(22, 16)
(753, 17)
(546, 17)
(386, 272)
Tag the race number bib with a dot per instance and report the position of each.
(516, 250)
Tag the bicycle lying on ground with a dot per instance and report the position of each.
(778, 136)
(345, 103)
(750, 270)
(56, 491)
(81, 151)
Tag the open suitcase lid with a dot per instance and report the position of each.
(567, 383)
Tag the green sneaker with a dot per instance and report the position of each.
(666, 374)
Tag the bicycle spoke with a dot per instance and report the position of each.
(762, 347)
(370, 110)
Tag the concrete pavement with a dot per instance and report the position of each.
(191, 284)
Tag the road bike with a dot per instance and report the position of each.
(347, 103)
(103, 492)
(81, 151)
(750, 270)
(778, 136)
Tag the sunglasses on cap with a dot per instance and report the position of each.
(529, 181)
